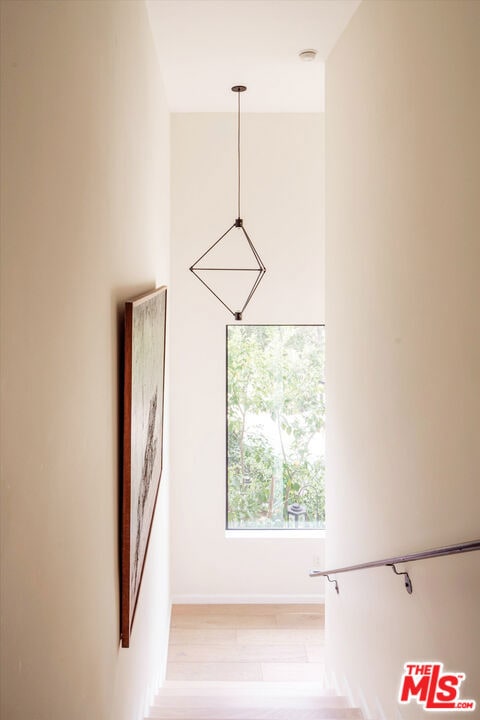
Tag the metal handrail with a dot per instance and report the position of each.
(393, 561)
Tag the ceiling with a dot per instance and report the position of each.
(206, 46)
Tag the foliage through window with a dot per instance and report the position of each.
(275, 427)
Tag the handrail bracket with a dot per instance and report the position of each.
(335, 582)
(408, 582)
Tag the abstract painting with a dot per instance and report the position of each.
(145, 325)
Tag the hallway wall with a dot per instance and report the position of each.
(282, 205)
(403, 362)
(85, 222)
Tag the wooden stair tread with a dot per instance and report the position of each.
(249, 701)
(249, 609)
(253, 713)
(201, 700)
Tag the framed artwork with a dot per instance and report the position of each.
(145, 325)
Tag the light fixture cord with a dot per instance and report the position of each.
(238, 152)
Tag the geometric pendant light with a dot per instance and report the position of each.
(235, 285)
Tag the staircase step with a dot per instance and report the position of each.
(224, 688)
(254, 713)
(237, 700)
(249, 701)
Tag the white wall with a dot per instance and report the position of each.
(402, 302)
(85, 207)
(283, 212)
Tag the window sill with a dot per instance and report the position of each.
(275, 534)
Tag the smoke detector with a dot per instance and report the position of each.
(307, 55)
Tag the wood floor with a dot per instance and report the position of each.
(248, 662)
(261, 643)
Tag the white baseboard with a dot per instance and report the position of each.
(310, 599)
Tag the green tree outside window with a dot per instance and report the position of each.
(275, 426)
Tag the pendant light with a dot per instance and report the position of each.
(232, 286)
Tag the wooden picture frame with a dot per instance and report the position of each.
(144, 383)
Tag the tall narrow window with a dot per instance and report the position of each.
(275, 427)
